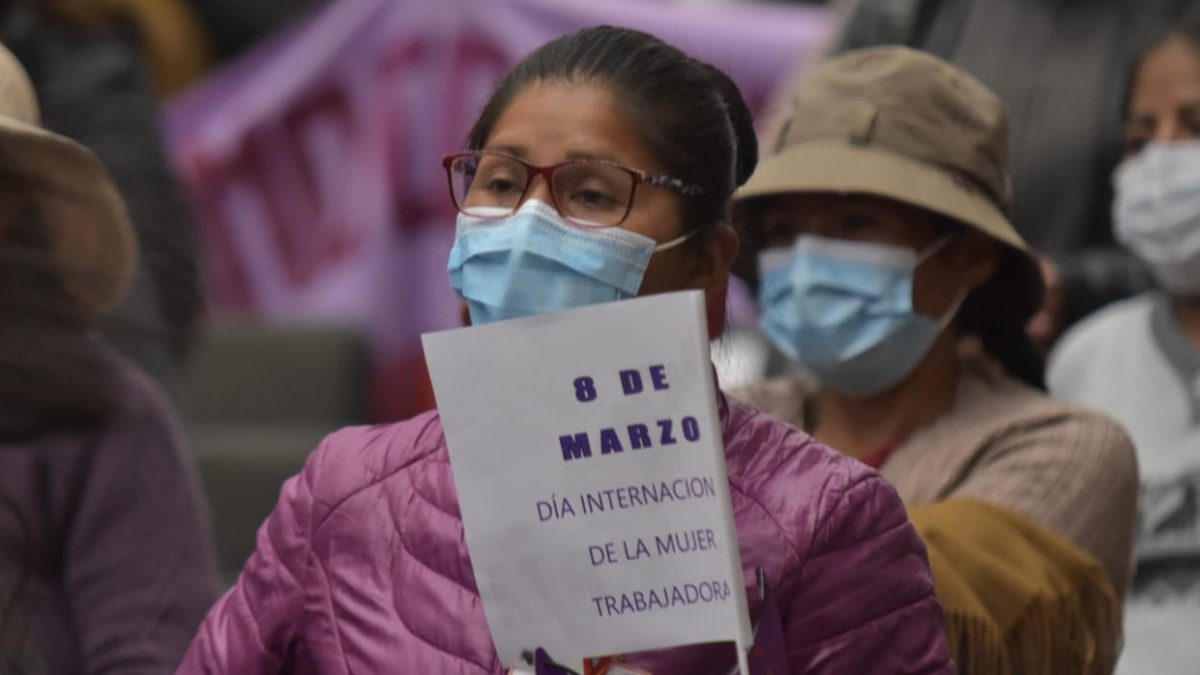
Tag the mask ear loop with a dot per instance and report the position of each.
(930, 251)
(666, 246)
(935, 248)
(953, 310)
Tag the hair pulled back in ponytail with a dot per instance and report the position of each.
(998, 312)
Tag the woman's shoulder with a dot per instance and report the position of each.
(828, 523)
(997, 415)
(1068, 468)
(139, 396)
(798, 482)
(359, 459)
(142, 419)
(990, 403)
(1108, 331)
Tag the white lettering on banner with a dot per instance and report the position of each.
(587, 455)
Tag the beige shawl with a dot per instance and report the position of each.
(1070, 470)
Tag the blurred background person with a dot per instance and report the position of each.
(88, 65)
(883, 239)
(1139, 360)
(1058, 68)
(105, 562)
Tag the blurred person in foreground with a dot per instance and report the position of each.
(601, 169)
(1059, 68)
(105, 564)
(93, 84)
(883, 240)
(1139, 360)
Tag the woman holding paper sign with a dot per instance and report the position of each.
(601, 169)
(885, 242)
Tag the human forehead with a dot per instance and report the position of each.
(1169, 71)
(553, 121)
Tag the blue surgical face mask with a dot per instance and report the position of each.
(844, 310)
(535, 262)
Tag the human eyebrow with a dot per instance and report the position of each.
(1139, 121)
(585, 155)
(1190, 110)
(513, 150)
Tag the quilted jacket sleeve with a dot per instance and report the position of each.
(866, 601)
(251, 629)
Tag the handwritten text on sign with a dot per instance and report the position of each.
(589, 465)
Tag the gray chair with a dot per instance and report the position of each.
(258, 401)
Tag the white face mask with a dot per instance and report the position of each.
(1157, 212)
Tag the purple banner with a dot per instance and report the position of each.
(313, 163)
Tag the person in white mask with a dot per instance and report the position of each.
(884, 243)
(1139, 360)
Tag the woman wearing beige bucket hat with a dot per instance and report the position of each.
(883, 241)
(105, 565)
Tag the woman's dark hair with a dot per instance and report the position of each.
(1188, 30)
(54, 375)
(999, 311)
(691, 114)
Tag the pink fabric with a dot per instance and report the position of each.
(363, 567)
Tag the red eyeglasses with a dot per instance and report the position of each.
(587, 192)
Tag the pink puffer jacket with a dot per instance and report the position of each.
(363, 567)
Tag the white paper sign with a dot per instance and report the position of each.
(587, 453)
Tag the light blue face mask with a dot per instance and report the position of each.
(535, 262)
(844, 310)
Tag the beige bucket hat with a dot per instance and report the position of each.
(73, 193)
(897, 123)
